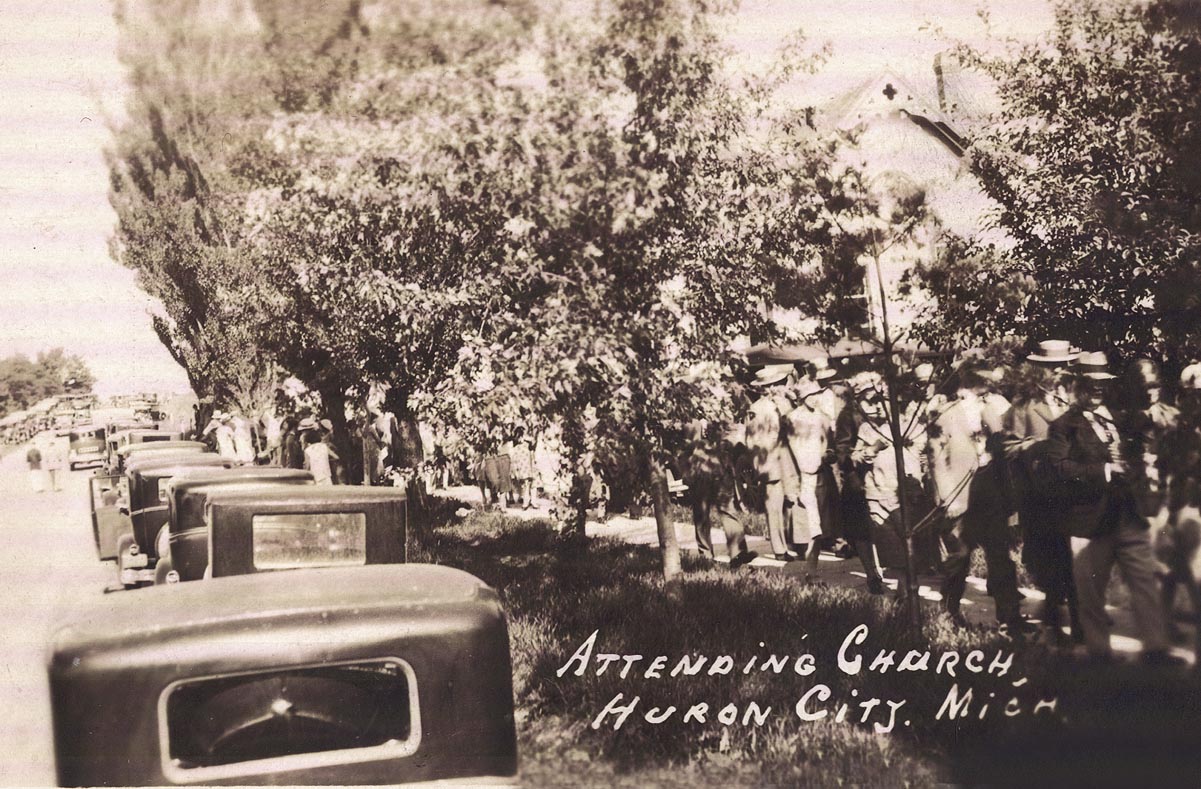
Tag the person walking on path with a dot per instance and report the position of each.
(770, 454)
(972, 490)
(708, 467)
(809, 427)
(1087, 455)
(856, 443)
(1046, 549)
(36, 478)
(54, 457)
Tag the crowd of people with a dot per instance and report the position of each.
(1056, 454)
(1053, 455)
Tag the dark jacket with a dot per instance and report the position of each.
(1089, 504)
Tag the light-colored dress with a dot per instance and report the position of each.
(316, 460)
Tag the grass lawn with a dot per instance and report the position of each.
(558, 592)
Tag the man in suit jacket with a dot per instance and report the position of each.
(1084, 452)
(1046, 549)
(767, 442)
(970, 487)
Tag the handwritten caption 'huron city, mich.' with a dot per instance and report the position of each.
(817, 702)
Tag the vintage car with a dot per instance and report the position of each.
(117, 440)
(370, 675)
(125, 453)
(109, 496)
(87, 446)
(277, 528)
(109, 500)
(148, 479)
(185, 556)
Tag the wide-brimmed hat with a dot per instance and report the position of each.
(308, 423)
(1054, 352)
(820, 369)
(867, 382)
(220, 416)
(1190, 377)
(1094, 366)
(772, 374)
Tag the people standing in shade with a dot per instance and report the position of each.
(856, 442)
(1177, 540)
(318, 456)
(809, 427)
(1149, 427)
(36, 478)
(1044, 396)
(521, 468)
(1087, 453)
(770, 456)
(291, 451)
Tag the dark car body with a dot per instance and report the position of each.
(118, 440)
(278, 527)
(87, 445)
(372, 675)
(148, 479)
(109, 500)
(186, 497)
(156, 446)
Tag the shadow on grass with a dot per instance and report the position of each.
(558, 592)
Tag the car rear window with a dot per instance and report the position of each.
(309, 540)
(224, 726)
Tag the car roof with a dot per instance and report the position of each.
(172, 465)
(237, 602)
(308, 496)
(160, 446)
(212, 476)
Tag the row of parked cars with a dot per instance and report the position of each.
(265, 629)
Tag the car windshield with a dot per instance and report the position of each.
(309, 540)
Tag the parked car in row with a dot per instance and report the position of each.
(120, 439)
(186, 536)
(87, 445)
(385, 674)
(130, 540)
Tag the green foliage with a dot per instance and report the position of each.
(178, 182)
(23, 381)
(1092, 163)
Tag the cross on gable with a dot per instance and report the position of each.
(889, 91)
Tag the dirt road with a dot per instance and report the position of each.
(48, 573)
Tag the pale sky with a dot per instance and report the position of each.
(58, 73)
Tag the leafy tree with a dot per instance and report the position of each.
(1092, 163)
(23, 381)
(178, 175)
(645, 228)
(369, 282)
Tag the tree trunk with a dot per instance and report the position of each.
(333, 402)
(668, 544)
(577, 505)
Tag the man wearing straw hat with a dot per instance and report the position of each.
(772, 460)
(1046, 550)
(1085, 452)
(810, 428)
